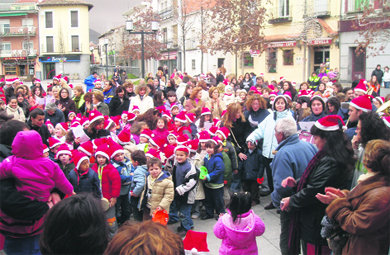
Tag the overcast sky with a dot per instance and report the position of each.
(107, 14)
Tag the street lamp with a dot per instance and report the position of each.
(130, 29)
(106, 44)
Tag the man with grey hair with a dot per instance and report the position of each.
(291, 159)
(54, 114)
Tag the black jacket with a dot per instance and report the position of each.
(253, 167)
(56, 118)
(326, 174)
(239, 132)
(117, 107)
(97, 133)
(88, 182)
(42, 130)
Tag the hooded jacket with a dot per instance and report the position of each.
(215, 168)
(186, 191)
(85, 182)
(239, 237)
(162, 192)
(110, 182)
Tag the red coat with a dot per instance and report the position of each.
(110, 182)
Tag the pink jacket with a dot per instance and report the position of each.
(239, 237)
(35, 175)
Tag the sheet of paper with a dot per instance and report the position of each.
(79, 133)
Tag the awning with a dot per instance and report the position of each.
(13, 14)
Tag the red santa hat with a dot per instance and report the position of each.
(131, 116)
(78, 158)
(224, 131)
(71, 113)
(223, 113)
(166, 114)
(174, 106)
(116, 149)
(94, 116)
(97, 81)
(361, 87)
(216, 122)
(261, 75)
(387, 121)
(191, 117)
(303, 93)
(53, 142)
(124, 114)
(135, 109)
(381, 100)
(63, 126)
(104, 150)
(204, 137)
(153, 153)
(196, 243)
(271, 87)
(329, 123)
(182, 148)
(168, 150)
(84, 121)
(157, 141)
(174, 134)
(87, 148)
(99, 141)
(74, 124)
(107, 123)
(362, 103)
(2, 80)
(48, 123)
(212, 130)
(116, 119)
(37, 81)
(181, 117)
(216, 140)
(287, 94)
(205, 111)
(182, 139)
(192, 145)
(124, 137)
(63, 149)
(45, 148)
(147, 133)
(282, 78)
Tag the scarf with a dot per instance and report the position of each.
(294, 235)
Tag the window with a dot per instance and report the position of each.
(28, 45)
(247, 59)
(271, 60)
(284, 9)
(29, 24)
(193, 64)
(4, 26)
(49, 19)
(357, 5)
(5, 47)
(165, 35)
(288, 57)
(49, 44)
(175, 34)
(74, 18)
(75, 43)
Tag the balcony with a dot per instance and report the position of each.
(166, 13)
(17, 53)
(17, 31)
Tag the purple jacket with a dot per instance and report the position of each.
(35, 175)
(239, 237)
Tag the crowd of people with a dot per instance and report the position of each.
(78, 162)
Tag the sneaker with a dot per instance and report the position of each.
(269, 206)
(264, 193)
(170, 222)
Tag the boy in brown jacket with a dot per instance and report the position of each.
(159, 189)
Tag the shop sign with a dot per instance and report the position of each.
(172, 56)
(285, 44)
(15, 58)
(320, 41)
(254, 53)
(56, 59)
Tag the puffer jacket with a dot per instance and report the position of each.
(162, 192)
(239, 237)
(186, 190)
(17, 113)
(266, 131)
(215, 168)
(110, 182)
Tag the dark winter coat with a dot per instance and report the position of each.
(117, 106)
(239, 132)
(85, 182)
(56, 118)
(215, 168)
(253, 167)
(69, 106)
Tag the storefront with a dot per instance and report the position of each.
(320, 50)
(53, 65)
(18, 66)
(169, 59)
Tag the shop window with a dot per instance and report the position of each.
(49, 44)
(10, 70)
(75, 43)
(271, 60)
(247, 59)
(74, 18)
(49, 19)
(288, 57)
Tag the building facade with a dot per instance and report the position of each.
(19, 43)
(64, 38)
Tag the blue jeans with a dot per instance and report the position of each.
(184, 210)
(387, 84)
(22, 246)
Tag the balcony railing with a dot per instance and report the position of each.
(17, 53)
(17, 31)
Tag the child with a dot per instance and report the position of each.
(172, 100)
(185, 178)
(213, 187)
(144, 139)
(159, 189)
(161, 130)
(63, 156)
(60, 131)
(251, 170)
(43, 176)
(82, 177)
(229, 96)
(239, 227)
(126, 172)
(205, 121)
(110, 182)
(54, 144)
(138, 160)
(45, 151)
(14, 109)
(172, 138)
(180, 123)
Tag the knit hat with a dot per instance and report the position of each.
(147, 133)
(329, 123)
(192, 145)
(87, 148)
(63, 149)
(205, 111)
(78, 158)
(124, 137)
(387, 121)
(362, 103)
(181, 117)
(53, 142)
(224, 131)
(116, 149)
(94, 116)
(361, 87)
(182, 148)
(104, 150)
(153, 153)
(45, 148)
(204, 137)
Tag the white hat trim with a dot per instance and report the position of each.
(85, 151)
(359, 107)
(101, 153)
(116, 152)
(324, 128)
(81, 161)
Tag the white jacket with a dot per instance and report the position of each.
(145, 104)
(18, 113)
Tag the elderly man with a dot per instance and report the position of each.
(291, 159)
(54, 114)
